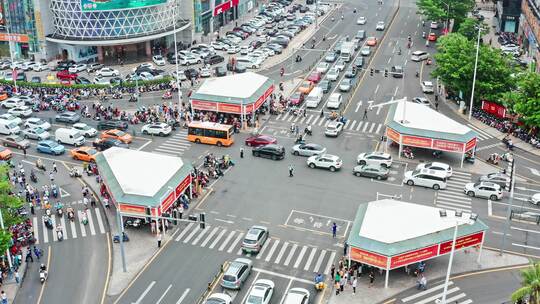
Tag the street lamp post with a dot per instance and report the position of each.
(176, 61)
(458, 220)
(474, 74)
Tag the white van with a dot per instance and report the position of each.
(69, 136)
(419, 56)
(426, 178)
(8, 127)
(314, 98)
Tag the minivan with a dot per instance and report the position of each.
(426, 178)
(237, 273)
(314, 97)
(419, 55)
(9, 127)
(69, 136)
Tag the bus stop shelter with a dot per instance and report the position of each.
(240, 94)
(389, 234)
(417, 125)
(143, 184)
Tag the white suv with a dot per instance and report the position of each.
(375, 158)
(488, 190)
(437, 167)
(427, 87)
(326, 161)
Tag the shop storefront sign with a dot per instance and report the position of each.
(204, 105)
(414, 256)
(462, 242)
(225, 6)
(392, 135)
(470, 145)
(445, 145)
(14, 37)
(369, 258)
(415, 141)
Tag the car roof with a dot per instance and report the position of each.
(438, 164)
(489, 184)
(385, 155)
(333, 124)
(330, 156)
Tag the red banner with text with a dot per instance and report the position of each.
(204, 105)
(415, 141)
(367, 257)
(414, 256)
(464, 241)
(445, 145)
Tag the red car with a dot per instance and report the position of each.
(315, 77)
(260, 140)
(66, 75)
(432, 37)
(297, 98)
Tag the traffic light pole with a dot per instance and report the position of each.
(510, 204)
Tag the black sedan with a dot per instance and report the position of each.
(272, 151)
(112, 124)
(191, 73)
(371, 171)
(104, 144)
(213, 59)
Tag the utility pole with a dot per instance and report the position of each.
(474, 74)
(510, 204)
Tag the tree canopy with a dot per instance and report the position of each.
(9, 204)
(455, 66)
(440, 10)
(525, 99)
(530, 285)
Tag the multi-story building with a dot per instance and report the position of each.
(530, 30)
(18, 27)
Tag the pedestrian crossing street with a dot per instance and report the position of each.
(289, 254)
(434, 294)
(72, 229)
(350, 125)
(481, 134)
(453, 197)
(175, 145)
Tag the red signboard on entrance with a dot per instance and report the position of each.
(229, 108)
(225, 6)
(420, 142)
(132, 209)
(393, 135)
(465, 241)
(471, 144)
(414, 256)
(367, 257)
(168, 201)
(183, 186)
(445, 145)
(204, 105)
(493, 108)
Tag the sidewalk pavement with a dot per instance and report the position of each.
(10, 285)
(142, 245)
(435, 269)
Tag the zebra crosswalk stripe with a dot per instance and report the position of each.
(330, 262)
(300, 256)
(199, 237)
(281, 252)
(227, 240)
(191, 235)
(379, 128)
(73, 230)
(435, 297)
(425, 292)
(290, 118)
(372, 128)
(352, 125)
(347, 124)
(315, 120)
(186, 229)
(35, 229)
(209, 237)
(55, 237)
(220, 235)
(289, 257)
(269, 255)
(263, 249)
(63, 225)
(238, 238)
(365, 127)
(99, 220)
(310, 258)
(359, 125)
(321, 122)
(309, 119)
(319, 261)
(91, 223)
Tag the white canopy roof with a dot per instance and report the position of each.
(390, 221)
(422, 117)
(242, 85)
(141, 173)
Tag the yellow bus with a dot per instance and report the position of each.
(211, 133)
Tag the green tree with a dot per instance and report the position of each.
(441, 10)
(455, 67)
(9, 204)
(530, 285)
(469, 28)
(525, 99)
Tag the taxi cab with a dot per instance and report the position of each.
(117, 134)
(371, 41)
(5, 153)
(87, 154)
(306, 87)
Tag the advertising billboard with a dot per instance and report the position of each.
(106, 5)
(369, 258)
(2, 21)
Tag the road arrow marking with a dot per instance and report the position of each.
(358, 105)
(63, 193)
(534, 171)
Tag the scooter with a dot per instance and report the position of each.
(33, 177)
(75, 173)
(116, 238)
(84, 219)
(59, 234)
(54, 192)
(48, 222)
(59, 212)
(71, 215)
(42, 276)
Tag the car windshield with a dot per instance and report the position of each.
(120, 133)
(39, 130)
(254, 299)
(215, 301)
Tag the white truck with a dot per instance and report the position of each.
(347, 51)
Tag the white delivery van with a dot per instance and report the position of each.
(427, 178)
(9, 127)
(314, 98)
(69, 136)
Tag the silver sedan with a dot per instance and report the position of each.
(307, 149)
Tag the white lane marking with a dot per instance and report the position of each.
(379, 129)
(365, 127)
(238, 238)
(269, 256)
(319, 261)
(525, 230)
(91, 222)
(209, 237)
(526, 246)
(330, 262)
(352, 125)
(55, 238)
(423, 293)
(184, 231)
(300, 256)
(289, 257)
(372, 127)
(83, 228)
(281, 252)
(145, 292)
(63, 225)
(73, 230)
(163, 295)
(183, 296)
(199, 237)
(263, 249)
(359, 125)
(227, 240)
(100, 221)
(35, 229)
(220, 235)
(310, 258)
(188, 238)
